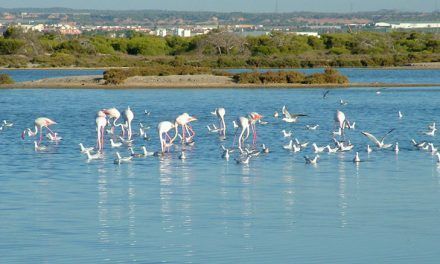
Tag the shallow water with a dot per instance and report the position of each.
(57, 208)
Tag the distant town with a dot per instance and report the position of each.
(188, 24)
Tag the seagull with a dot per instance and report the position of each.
(434, 150)
(324, 95)
(356, 158)
(83, 149)
(349, 125)
(419, 145)
(7, 123)
(214, 129)
(310, 160)
(234, 124)
(286, 134)
(182, 155)
(266, 150)
(120, 159)
(302, 145)
(290, 118)
(430, 133)
(54, 137)
(135, 155)
(332, 150)
(127, 142)
(396, 148)
(147, 153)
(380, 144)
(147, 113)
(337, 133)
(93, 156)
(312, 127)
(317, 149)
(369, 149)
(288, 146)
(115, 144)
(432, 126)
(39, 147)
(378, 92)
(296, 148)
(243, 160)
(225, 154)
(400, 115)
(342, 102)
(345, 147)
(275, 114)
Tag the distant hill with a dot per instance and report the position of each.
(164, 17)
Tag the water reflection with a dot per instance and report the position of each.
(166, 192)
(342, 191)
(103, 211)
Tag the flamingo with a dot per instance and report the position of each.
(40, 123)
(341, 121)
(220, 113)
(128, 117)
(184, 120)
(242, 123)
(163, 128)
(254, 117)
(113, 114)
(101, 122)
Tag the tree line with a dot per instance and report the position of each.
(219, 49)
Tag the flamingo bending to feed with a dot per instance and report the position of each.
(40, 123)
(243, 123)
(341, 121)
(220, 113)
(253, 119)
(163, 128)
(128, 117)
(101, 122)
(113, 114)
(184, 120)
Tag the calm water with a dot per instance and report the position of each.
(57, 208)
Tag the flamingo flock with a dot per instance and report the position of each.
(178, 135)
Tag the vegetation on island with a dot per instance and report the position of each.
(6, 79)
(219, 49)
(329, 76)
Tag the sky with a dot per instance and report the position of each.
(234, 5)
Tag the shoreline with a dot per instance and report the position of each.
(201, 81)
(416, 66)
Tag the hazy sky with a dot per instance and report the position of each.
(234, 5)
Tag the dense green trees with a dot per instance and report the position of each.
(221, 49)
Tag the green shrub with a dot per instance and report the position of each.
(6, 79)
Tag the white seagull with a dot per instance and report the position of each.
(380, 144)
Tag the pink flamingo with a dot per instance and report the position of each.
(220, 113)
(184, 120)
(113, 113)
(253, 118)
(163, 128)
(40, 123)
(101, 122)
(128, 117)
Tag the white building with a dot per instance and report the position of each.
(309, 34)
(415, 25)
(181, 32)
(161, 32)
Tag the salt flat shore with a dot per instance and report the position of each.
(179, 81)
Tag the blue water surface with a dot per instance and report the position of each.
(55, 207)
